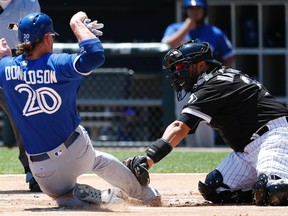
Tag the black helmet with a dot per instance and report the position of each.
(177, 61)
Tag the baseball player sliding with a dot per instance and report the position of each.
(247, 117)
(40, 88)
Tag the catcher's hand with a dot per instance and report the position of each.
(139, 167)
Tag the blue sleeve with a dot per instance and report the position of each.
(224, 46)
(91, 55)
(171, 29)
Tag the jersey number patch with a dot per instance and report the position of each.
(44, 99)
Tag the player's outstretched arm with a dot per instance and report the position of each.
(159, 149)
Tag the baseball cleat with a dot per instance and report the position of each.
(33, 184)
(113, 195)
(157, 201)
(89, 194)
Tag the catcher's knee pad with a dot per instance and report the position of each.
(213, 181)
(208, 189)
(259, 190)
(278, 194)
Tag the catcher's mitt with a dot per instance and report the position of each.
(139, 167)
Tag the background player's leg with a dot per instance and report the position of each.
(33, 185)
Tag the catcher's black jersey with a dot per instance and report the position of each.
(233, 104)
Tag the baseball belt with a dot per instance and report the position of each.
(69, 141)
(265, 129)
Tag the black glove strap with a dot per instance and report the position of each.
(158, 150)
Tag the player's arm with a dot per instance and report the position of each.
(159, 149)
(92, 51)
(140, 164)
(173, 134)
(177, 38)
(78, 27)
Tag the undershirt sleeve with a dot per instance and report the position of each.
(190, 120)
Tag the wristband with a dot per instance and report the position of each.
(90, 46)
(159, 149)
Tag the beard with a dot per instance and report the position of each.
(190, 80)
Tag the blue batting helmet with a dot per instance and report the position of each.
(191, 3)
(34, 26)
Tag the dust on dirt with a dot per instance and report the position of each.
(179, 193)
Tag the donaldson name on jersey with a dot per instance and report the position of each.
(31, 76)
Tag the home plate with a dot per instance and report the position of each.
(183, 201)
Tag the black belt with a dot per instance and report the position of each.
(265, 129)
(41, 157)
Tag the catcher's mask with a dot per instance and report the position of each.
(34, 26)
(177, 62)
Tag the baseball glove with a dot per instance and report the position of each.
(139, 167)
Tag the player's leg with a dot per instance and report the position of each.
(230, 182)
(272, 185)
(58, 174)
(111, 170)
(117, 174)
(55, 175)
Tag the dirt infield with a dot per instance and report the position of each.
(179, 194)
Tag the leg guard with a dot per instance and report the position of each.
(278, 194)
(274, 195)
(209, 192)
(259, 190)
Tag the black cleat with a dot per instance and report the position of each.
(278, 194)
(33, 185)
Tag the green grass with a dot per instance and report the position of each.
(9, 162)
(178, 161)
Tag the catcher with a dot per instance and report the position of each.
(248, 118)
